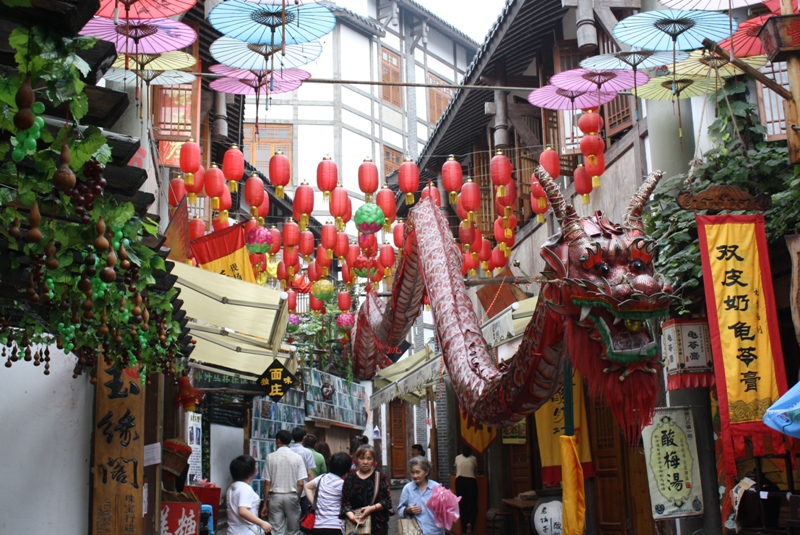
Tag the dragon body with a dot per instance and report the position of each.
(599, 294)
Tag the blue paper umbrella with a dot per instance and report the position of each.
(784, 414)
(631, 59)
(254, 57)
(269, 24)
(673, 29)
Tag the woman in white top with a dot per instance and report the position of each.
(467, 488)
(242, 500)
(328, 490)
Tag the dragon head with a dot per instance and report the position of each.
(601, 280)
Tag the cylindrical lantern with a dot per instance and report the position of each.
(177, 191)
(595, 167)
(499, 258)
(196, 187)
(341, 246)
(254, 193)
(328, 238)
(323, 260)
(291, 258)
(197, 229)
(215, 185)
(433, 193)
(505, 204)
(551, 162)
(477, 243)
(263, 210)
(368, 178)
(190, 160)
(340, 202)
(408, 179)
(303, 204)
(583, 183)
(314, 271)
(463, 215)
(344, 301)
(347, 274)
(353, 250)
(290, 234)
(485, 255)
(500, 170)
(327, 177)
(276, 240)
(397, 234)
(470, 199)
(469, 266)
(282, 274)
(348, 213)
(386, 258)
(386, 201)
(233, 167)
(452, 178)
(539, 203)
(368, 244)
(225, 203)
(315, 304)
(220, 223)
(291, 300)
(592, 145)
(279, 172)
(306, 244)
(466, 235)
(251, 225)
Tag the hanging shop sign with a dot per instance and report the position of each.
(743, 325)
(686, 346)
(276, 381)
(194, 438)
(547, 518)
(516, 433)
(204, 380)
(673, 472)
(477, 435)
(180, 518)
(118, 453)
(394, 353)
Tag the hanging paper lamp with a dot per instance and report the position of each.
(303, 204)
(397, 234)
(258, 240)
(501, 233)
(279, 172)
(233, 167)
(315, 304)
(220, 223)
(345, 321)
(254, 193)
(323, 260)
(377, 274)
(385, 199)
(368, 178)
(477, 243)
(291, 300)
(592, 145)
(595, 167)
(452, 178)
(196, 187)
(583, 183)
(313, 271)
(369, 218)
(466, 235)
(470, 265)
(282, 274)
(539, 203)
(433, 193)
(328, 237)
(214, 184)
(368, 244)
(189, 160)
(305, 245)
(347, 275)
(327, 177)
(340, 202)
(224, 204)
(505, 204)
(251, 224)
(344, 301)
(197, 229)
(348, 213)
(485, 255)
(386, 258)
(290, 235)
(364, 267)
(408, 178)
(276, 241)
(292, 323)
(323, 289)
(177, 191)
(470, 200)
(500, 170)
(263, 210)
(292, 259)
(499, 258)
(551, 162)
(463, 215)
(353, 250)
(341, 246)
(590, 122)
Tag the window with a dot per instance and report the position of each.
(390, 72)
(617, 113)
(391, 161)
(258, 147)
(438, 98)
(486, 213)
(770, 105)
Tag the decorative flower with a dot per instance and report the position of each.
(345, 321)
(258, 240)
(369, 218)
(364, 267)
(322, 289)
(292, 323)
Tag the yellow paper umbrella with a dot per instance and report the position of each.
(701, 62)
(673, 87)
(168, 61)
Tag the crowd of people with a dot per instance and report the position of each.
(345, 491)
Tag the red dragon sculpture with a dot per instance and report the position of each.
(599, 293)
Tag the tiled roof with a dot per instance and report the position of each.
(441, 21)
(360, 20)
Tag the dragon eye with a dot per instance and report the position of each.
(602, 268)
(638, 265)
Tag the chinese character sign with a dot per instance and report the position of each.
(748, 361)
(180, 518)
(194, 438)
(686, 347)
(276, 380)
(224, 252)
(672, 470)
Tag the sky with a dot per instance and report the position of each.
(473, 17)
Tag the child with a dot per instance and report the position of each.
(243, 501)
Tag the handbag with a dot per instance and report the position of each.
(257, 530)
(408, 526)
(365, 528)
(307, 520)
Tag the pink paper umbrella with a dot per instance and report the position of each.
(254, 86)
(134, 36)
(551, 97)
(284, 75)
(444, 505)
(598, 80)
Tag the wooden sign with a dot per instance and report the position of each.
(780, 37)
(276, 380)
(118, 453)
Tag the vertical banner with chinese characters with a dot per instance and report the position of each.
(686, 347)
(118, 453)
(224, 252)
(748, 361)
(673, 473)
(194, 437)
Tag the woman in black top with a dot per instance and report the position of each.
(358, 490)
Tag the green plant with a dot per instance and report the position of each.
(743, 158)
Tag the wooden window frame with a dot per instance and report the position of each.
(770, 105)
(253, 141)
(390, 166)
(438, 98)
(391, 94)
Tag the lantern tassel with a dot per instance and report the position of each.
(507, 252)
(506, 224)
(290, 269)
(507, 211)
(326, 196)
(501, 191)
(260, 221)
(189, 179)
(387, 225)
(233, 186)
(283, 284)
(223, 215)
(324, 271)
(470, 217)
(485, 266)
(508, 233)
(329, 254)
(472, 273)
(540, 218)
(387, 272)
(585, 198)
(409, 199)
(368, 197)
(192, 198)
(279, 192)
(542, 202)
(215, 203)
(474, 256)
(595, 181)
(466, 247)
(306, 258)
(254, 211)
(453, 197)
(341, 260)
(303, 222)
(339, 224)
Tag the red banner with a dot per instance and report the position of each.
(224, 252)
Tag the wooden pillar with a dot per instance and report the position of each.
(790, 107)
(587, 33)
(501, 109)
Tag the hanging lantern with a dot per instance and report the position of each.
(233, 167)
(551, 162)
(352, 254)
(197, 229)
(340, 201)
(327, 177)
(224, 204)
(590, 122)
(386, 258)
(345, 322)
(276, 241)
(323, 260)
(279, 172)
(292, 323)
(341, 246)
(323, 289)
(369, 218)
(250, 225)
(583, 183)
(433, 193)
(505, 204)
(466, 235)
(254, 193)
(452, 178)
(313, 271)
(190, 160)
(377, 274)
(385, 199)
(499, 258)
(291, 235)
(502, 233)
(592, 145)
(215, 185)
(368, 244)
(220, 223)
(368, 178)
(303, 204)
(282, 274)
(463, 215)
(305, 245)
(539, 203)
(426, 301)
(477, 243)
(364, 267)
(397, 234)
(258, 240)
(291, 300)
(500, 170)
(348, 213)
(595, 167)
(592, 148)
(470, 200)
(315, 304)
(470, 265)
(292, 259)
(177, 191)
(328, 237)
(196, 187)
(263, 210)
(408, 178)
(347, 275)
(485, 255)
(344, 301)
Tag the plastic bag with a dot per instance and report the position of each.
(784, 414)
(444, 505)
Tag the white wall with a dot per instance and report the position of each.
(227, 443)
(355, 59)
(45, 447)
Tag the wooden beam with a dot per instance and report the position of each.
(528, 137)
(758, 75)
(497, 280)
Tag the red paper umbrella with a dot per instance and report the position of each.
(745, 41)
(303, 204)
(327, 177)
(386, 201)
(341, 246)
(143, 9)
(368, 178)
(306, 244)
(327, 237)
(244, 86)
(452, 178)
(279, 172)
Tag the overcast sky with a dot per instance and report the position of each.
(473, 17)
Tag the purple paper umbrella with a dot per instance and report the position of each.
(592, 80)
(284, 75)
(551, 97)
(153, 36)
(254, 86)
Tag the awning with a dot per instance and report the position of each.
(232, 305)
(405, 378)
(509, 323)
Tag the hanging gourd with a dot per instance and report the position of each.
(433, 193)
(340, 202)
(408, 179)
(254, 193)
(583, 183)
(279, 172)
(303, 204)
(551, 162)
(539, 203)
(387, 203)
(196, 187)
(327, 177)
(386, 258)
(233, 167)
(197, 229)
(306, 244)
(189, 160)
(452, 178)
(500, 170)
(368, 178)
(214, 185)
(470, 200)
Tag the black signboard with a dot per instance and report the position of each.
(226, 410)
(276, 381)
(205, 380)
(394, 353)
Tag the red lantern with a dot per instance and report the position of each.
(347, 274)
(368, 244)
(233, 167)
(177, 191)
(215, 185)
(505, 204)
(486, 254)
(353, 251)
(466, 235)
(340, 201)
(499, 259)
(279, 172)
(500, 170)
(254, 193)
(385, 200)
(276, 240)
(596, 166)
(292, 259)
(539, 203)
(463, 215)
(224, 204)
(303, 204)
(197, 229)
(408, 178)
(263, 210)
(250, 225)
(327, 177)
(291, 300)
(306, 244)
(344, 301)
(378, 276)
(452, 178)
(590, 122)
(592, 144)
(368, 178)
(314, 271)
(315, 304)
(328, 238)
(341, 246)
(190, 160)
(196, 186)
(398, 235)
(291, 235)
(477, 243)
(282, 273)
(551, 162)
(469, 265)
(502, 233)
(323, 260)
(220, 223)
(433, 193)
(470, 199)
(583, 183)
(386, 258)
(348, 213)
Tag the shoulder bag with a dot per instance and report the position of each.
(408, 526)
(307, 520)
(365, 528)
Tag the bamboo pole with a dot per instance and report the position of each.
(758, 75)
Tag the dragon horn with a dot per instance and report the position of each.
(633, 217)
(565, 213)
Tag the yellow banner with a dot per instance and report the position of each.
(235, 265)
(477, 435)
